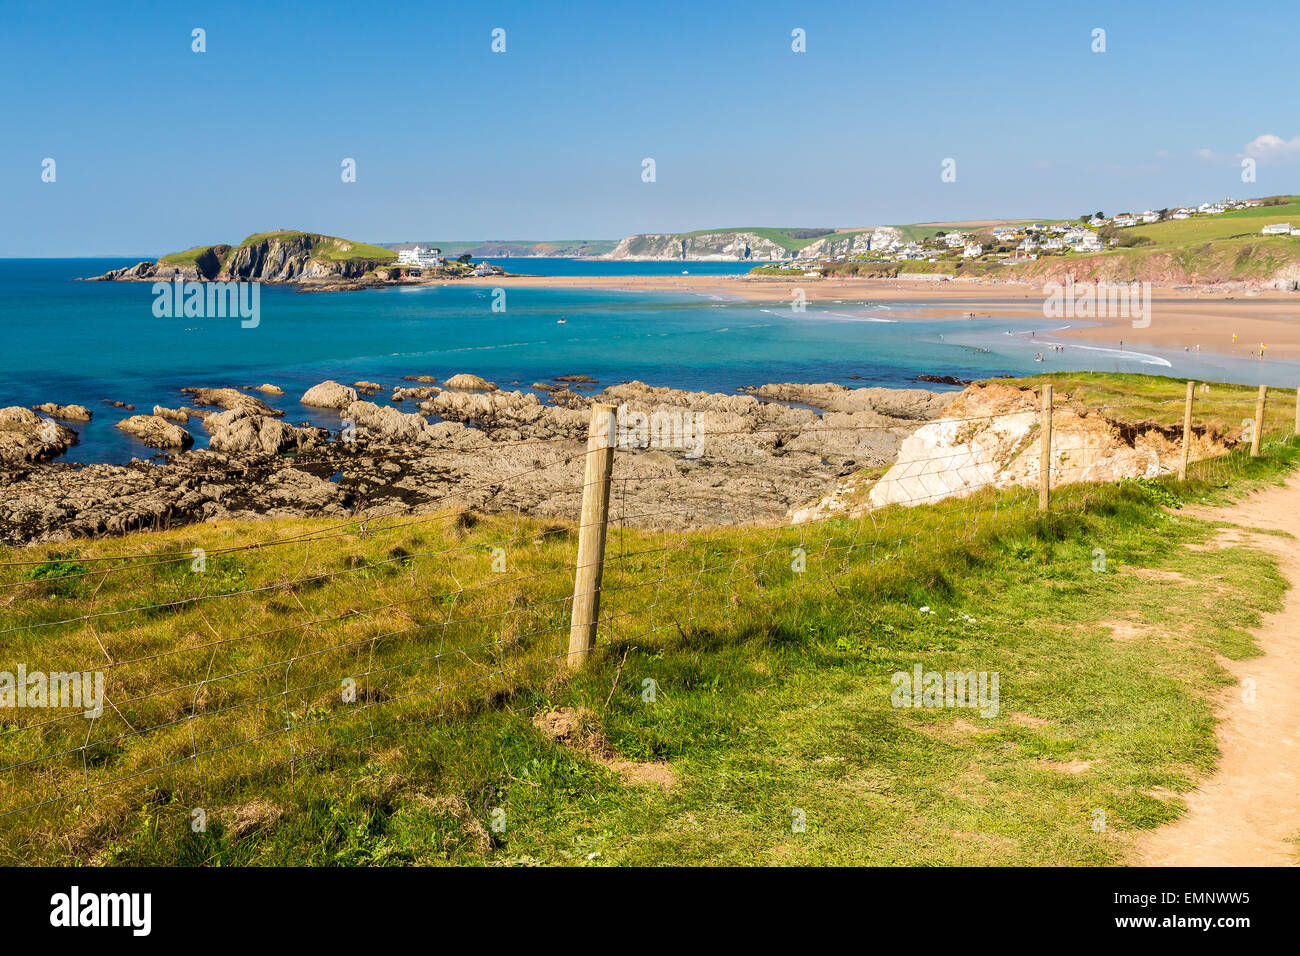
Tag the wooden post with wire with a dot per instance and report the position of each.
(1187, 431)
(1259, 421)
(593, 524)
(1045, 453)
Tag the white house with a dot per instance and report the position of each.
(1150, 215)
(1277, 229)
(972, 250)
(420, 257)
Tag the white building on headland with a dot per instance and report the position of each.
(420, 257)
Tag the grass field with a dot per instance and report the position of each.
(771, 703)
(1227, 225)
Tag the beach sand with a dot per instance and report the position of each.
(1180, 318)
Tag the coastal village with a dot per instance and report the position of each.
(1028, 241)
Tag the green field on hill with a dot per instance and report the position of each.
(1227, 225)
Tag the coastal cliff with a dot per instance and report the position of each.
(285, 256)
(759, 245)
(717, 246)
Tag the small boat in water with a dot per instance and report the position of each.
(560, 321)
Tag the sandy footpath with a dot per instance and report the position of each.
(1248, 812)
(1179, 318)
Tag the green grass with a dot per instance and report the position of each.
(329, 248)
(773, 687)
(1227, 225)
(1153, 398)
(926, 230)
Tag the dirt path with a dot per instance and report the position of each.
(1248, 812)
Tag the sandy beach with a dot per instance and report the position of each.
(1180, 318)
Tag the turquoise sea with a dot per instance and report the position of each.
(83, 342)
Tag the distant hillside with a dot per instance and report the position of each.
(515, 248)
(1201, 249)
(760, 243)
(768, 244)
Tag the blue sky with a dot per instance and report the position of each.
(160, 148)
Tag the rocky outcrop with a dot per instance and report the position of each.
(385, 423)
(69, 413)
(988, 438)
(242, 431)
(418, 392)
(913, 404)
(686, 459)
(329, 394)
(26, 437)
(156, 432)
(470, 383)
(178, 415)
(231, 398)
(267, 388)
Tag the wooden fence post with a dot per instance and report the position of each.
(591, 533)
(1045, 453)
(1296, 429)
(1187, 431)
(1259, 421)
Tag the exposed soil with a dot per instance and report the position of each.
(1248, 812)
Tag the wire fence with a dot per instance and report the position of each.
(212, 661)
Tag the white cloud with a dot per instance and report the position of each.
(1269, 146)
(1208, 155)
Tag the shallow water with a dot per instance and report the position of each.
(79, 342)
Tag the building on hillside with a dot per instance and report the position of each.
(420, 257)
(972, 250)
(1277, 229)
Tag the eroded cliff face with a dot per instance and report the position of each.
(989, 438)
(288, 259)
(857, 244)
(710, 246)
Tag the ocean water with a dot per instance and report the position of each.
(84, 342)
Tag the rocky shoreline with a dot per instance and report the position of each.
(688, 459)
